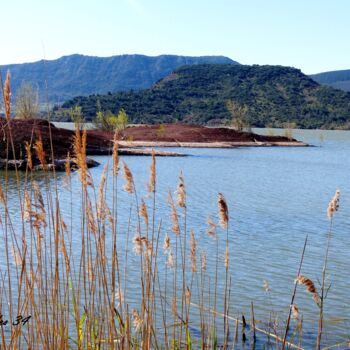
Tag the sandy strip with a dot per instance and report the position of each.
(128, 144)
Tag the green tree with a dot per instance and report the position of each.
(27, 102)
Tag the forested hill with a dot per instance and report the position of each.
(339, 79)
(74, 75)
(273, 96)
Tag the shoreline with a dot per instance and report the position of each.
(233, 144)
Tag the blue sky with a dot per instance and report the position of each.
(312, 35)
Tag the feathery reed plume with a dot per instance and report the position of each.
(332, 208)
(38, 216)
(166, 245)
(29, 155)
(27, 206)
(226, 258)
(174, 217)
(151, 186)
(7, 96)
(108, 214)
(129, 185)
(203, 261)
(67, 168)
(39, 221)
(212, 228)
(143, 212)
(102, 184)
(295, 312)
(80, 155)
(170, 260)
(149, 247)
(310, 287)
(266, 286)
(137, 321)
(115, 156)
(137, 240)
(223, 211)
(39, 149)
(67, 165)
(101, 205)
(38, 196)
(91, 218)
(181, 192)
(139, 243)
(333, 205)
(193, 256)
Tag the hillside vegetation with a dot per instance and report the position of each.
(338, 79)
(271, 95)
(74, 75)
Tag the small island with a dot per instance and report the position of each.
(197, 136)
(17, 136)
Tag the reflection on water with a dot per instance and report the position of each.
(276, 197)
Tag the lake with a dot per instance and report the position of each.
(276, 196)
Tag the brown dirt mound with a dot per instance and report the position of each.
(100, 142)
(193, 133)
(23, 131)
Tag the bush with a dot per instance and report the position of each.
(111, 122)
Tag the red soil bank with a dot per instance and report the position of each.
(23, 131)
(194, 133)
(100, 142)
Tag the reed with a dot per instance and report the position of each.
(333, 206)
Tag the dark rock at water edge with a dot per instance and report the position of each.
(57, 164)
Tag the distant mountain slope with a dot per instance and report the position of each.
(274, 95)
(74, 75)
(339, 79)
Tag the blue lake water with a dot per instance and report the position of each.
(276, 196)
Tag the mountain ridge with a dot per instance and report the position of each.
(76, 74)
(339, 79)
